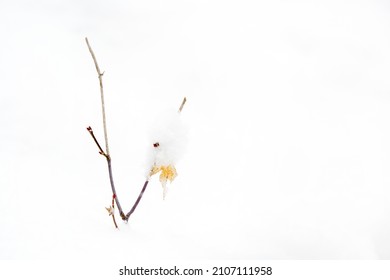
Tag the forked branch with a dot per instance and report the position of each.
(106, 153)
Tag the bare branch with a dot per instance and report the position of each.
(182, 104)
(96, 141)
(100, 76)
(113, 189)
(138, 200)
(113, 210)
(107, 152)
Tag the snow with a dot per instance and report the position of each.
(170, 133)
(287, 126)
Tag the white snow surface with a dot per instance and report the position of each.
(288, 153)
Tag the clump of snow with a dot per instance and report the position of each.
(168, 139)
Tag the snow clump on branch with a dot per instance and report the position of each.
(168, 138)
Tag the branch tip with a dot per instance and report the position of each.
(182, 104)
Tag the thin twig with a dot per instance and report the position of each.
(113, 210)
(109, 172)
(138, 200)
(113, 188)
(182, 104)
(96, 141)
(100, 76)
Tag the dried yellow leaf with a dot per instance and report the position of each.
(167, 172)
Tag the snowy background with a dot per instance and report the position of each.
(288, 113)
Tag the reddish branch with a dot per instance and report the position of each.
(138, 200)
(108, 158)
(113, 210)
(96, 141)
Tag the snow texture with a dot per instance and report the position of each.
(288, 129)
